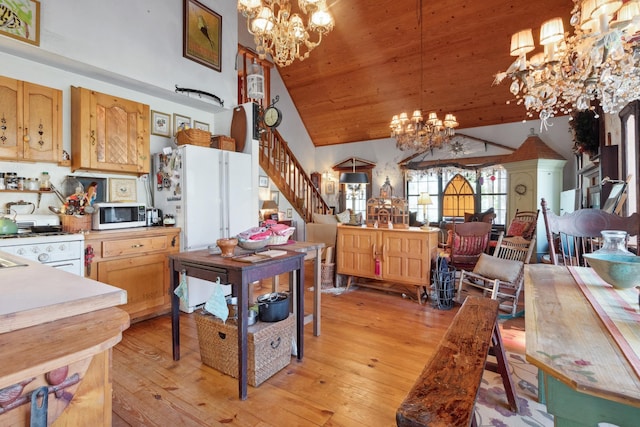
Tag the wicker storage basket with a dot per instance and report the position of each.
(194, 137)
(269, 346)
(75, 223)
(327, 271)
(281, 239)
(223, 142)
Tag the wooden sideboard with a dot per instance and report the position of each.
(403, 256)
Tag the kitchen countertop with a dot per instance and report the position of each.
(35, 294)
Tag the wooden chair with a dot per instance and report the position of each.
(572, 235)
(523, 224)
(501, 276)
(466, 242)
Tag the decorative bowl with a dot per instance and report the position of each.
(227, 246)
(253, 245)
(620, 271)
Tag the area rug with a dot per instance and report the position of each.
(492, 407)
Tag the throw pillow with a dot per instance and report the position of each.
(324, 218)
(355, 219)
(518, 228)
(497, 268)
(344, 217)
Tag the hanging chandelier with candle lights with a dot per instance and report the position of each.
(281, 34)
(415, 133)
(599, 62)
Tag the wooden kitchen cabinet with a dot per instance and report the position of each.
(109, 134)
(30, 121)
(135, 259)
(404, 255)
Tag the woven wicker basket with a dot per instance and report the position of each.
(75, 223)
(193, 136)
(281, 239)
(269, 346)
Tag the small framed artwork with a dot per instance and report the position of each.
(101, 189)
(202, 35)
(201, 125)
(275, 217)
(330, 187)
(160, 123)
(275, 196)
(179, 121)
(21, 20)
(122, 190)
(263, 181)
(289, 213)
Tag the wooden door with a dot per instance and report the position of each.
(119, 128)
(356, 251)
(145, 278)
(10, 119)
(405, 257)
(43, 123)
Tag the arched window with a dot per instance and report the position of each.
(458, 198)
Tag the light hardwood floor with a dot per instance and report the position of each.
(372, 348)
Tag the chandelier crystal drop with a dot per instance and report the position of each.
(600, 61)
(281, 34)
(417, 133)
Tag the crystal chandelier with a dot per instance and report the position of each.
(600, 61)
(416, 133)
(281, 34)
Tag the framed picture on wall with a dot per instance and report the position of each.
(180, 121)
(202, 35)
(20, 20)
(201, 125)
(330, 187)
(263, 181)
(122, 190)
(160, 123)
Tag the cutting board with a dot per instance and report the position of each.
(239, 127)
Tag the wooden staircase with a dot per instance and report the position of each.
(279, 163)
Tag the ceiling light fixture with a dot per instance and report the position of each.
(417, 133)
(600, 61)
(281, 34)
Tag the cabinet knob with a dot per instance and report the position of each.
(138, 245)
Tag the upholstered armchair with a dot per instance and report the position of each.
(465, 242)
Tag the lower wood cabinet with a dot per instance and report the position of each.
(136, 261)
(402, 256)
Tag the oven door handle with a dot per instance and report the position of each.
(68, 264)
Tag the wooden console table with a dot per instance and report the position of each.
(404, 255)
(585, 376)
(209, 267)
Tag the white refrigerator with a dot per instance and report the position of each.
(209, 193)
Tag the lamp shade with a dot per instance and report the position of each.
(354, 178)
(424, 199)
(522, 42)
(269, 205)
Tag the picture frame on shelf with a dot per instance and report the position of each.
(200, 125)
(123, 190)
(160, 123)
(22, 20)
(263, 181)
(202, 35)
(179, 121)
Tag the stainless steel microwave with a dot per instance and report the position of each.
(109, 216)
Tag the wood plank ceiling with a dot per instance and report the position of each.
(368, 68)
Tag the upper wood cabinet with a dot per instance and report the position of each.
(108, 133)
(30, 121)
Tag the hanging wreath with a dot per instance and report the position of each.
(585, 132)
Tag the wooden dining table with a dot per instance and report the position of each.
(582, 335)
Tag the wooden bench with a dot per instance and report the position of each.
(446, 391)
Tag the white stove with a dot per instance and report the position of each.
(52, 246)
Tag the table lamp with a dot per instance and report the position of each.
(268, 207)
(423, 201)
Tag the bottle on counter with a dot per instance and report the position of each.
(45, 182)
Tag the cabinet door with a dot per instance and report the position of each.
(356, 249)
(406, 257)
(10, 118)
(145, 278)
(119, 130)
(43, 123)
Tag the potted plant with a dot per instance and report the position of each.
(585, 132)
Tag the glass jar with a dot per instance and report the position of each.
(45, 183)
(614, 242)
(32, 184)
(21, 183)
(2, 187)
(11, 180)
